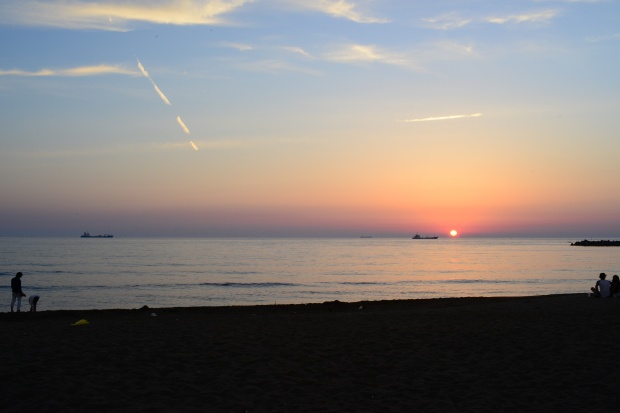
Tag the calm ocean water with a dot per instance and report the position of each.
(75, 273)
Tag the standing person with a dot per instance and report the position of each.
(602, 288)
(33, 300)
(16, 288)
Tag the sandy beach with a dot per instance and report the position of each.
(535, 354)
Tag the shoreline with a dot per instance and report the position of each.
(535, 353)
(411, 302)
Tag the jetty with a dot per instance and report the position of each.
(601, 243)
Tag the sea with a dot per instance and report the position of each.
(128, 273)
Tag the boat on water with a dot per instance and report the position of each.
(418, 236)
(86, 234)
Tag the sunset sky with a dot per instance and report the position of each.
(310, 118)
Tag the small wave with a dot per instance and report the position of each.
(250, 285)
(463, 281)
(240, 272)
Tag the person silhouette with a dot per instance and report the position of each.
(602, 288)
(33, 300)
(615, 286)
(16, 289)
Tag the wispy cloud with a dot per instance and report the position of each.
(446, 22)
(367, 53)
(345, 9)
(452, 21)
(543, 16)
(246, 47)
(297, 50)
(115, 15)
(273, 65)
(239, 46)
(473, 115)
(72, 72)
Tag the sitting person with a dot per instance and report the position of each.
(615, 286)
(602, 288)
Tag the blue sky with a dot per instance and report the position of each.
(290, 117)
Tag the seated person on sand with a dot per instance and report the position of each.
(602, 288)
(615, 286)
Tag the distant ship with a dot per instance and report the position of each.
(86, 234)
(417, 236)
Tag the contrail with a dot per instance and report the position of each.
(159, 92)
(144, 72)
(473, 115)
(166, 101)
(182, 125)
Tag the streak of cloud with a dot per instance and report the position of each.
(297, 50)
(239, 46)
(193, 145)
(367, 53)
(452, 21)
(446, 22)
(81, 71)
(537, 17)
(115, 15)
(185, 129)
(159, 92)
(473, 115)
(337, 8)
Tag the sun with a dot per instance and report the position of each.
(453, 233)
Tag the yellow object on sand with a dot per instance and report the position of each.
(80, 323)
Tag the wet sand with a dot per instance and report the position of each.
(526, 354)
